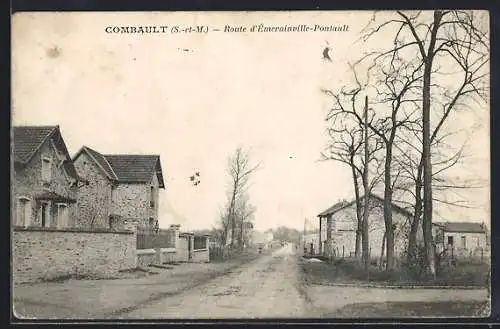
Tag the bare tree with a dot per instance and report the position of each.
(345, 145)
(240, 170)
(456, 43)
(244, 214)
(394, 85)
(410, 162)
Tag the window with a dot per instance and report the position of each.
(450, 240)
(24, 212)
(62, 215)
(464, 241)
(46, 170)
(45, 214)
(152, 197)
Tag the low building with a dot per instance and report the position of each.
(338, 224)
(461, 239)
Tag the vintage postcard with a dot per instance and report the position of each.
(250, 165)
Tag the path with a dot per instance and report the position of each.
(266, 288)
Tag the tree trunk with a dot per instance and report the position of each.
(389, 230)
(382, 251)
(359, 216)
(426, 154)
(417, 213)
(231, 215)
(241, 235)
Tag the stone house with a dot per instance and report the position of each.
(462, 238)
(44, 181)
(342, 220)
(119, 187)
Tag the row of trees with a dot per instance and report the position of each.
(389, 125)
(236, 217)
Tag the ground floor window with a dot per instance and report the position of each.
(44, 214)
(62, 215)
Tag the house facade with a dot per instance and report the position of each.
(119, 187)
(44, 180)
(461, 238)
(339, 223)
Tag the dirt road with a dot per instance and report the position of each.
(266, 288)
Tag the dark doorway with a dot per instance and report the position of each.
(450, 240)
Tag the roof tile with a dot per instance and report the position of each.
(28, 139)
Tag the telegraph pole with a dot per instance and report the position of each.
(304, 234)
(365, 186)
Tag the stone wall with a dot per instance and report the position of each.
(94, 199)
(39, 254)
(146, 257)
(27, 182)
(201, 256)
(132, 201)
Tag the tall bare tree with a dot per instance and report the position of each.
(345, 145)
(455, 42)
(240, 170)
(393, 87)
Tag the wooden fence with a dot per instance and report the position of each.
(200, 242)
(151, 239)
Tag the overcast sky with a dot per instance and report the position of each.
(193, 99)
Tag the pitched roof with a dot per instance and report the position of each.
(27, 140)
(463, 227)
(127, 168)
(344, 204)
(136, 168)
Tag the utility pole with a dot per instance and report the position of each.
(365, 186)
(304, 234)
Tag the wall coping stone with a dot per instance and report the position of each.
(69, 230)
(168, 250)
(146, 251)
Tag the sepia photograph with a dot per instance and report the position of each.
(250, 165)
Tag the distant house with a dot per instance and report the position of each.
(464, 238)
(261, 239)
(44, 181)
(344, 223)
(120, 186)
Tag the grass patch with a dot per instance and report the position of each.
(172, 263)
(66, 277)
(134, 270)
(411, 309)
(469, 273)
(162, 266)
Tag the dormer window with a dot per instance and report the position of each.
(46, 170)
